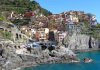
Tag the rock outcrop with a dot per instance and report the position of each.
(12, 57)
(81, 42)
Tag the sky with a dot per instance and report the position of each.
(59, 6)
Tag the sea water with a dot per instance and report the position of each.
(95, 65)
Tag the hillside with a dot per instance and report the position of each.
(21, 6)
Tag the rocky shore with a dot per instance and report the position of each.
(15, 57)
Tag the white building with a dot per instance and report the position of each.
(43, 32)
(73, 18)
(61, 36)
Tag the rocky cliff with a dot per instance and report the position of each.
(81, 42)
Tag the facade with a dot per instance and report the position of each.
(61, 35)
(93, 20)
(28, 15)
(42, 34)
(72, 27)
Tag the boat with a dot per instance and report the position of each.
(87, 60)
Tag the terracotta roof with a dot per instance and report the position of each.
(29, 14)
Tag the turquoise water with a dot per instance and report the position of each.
(95, 65)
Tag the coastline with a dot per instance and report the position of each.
(33, 64)
(86, 50)
(22, 67)
(20, 61)
(30, 64)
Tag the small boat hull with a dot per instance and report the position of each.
(88, 61)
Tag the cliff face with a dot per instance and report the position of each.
(82, 42)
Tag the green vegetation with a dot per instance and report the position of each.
(93, 31)
(2, 18)
(5, 34)
(20, 6)
(19, 22)
(98, 25)
(96, 31)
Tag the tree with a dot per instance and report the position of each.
(98, 26)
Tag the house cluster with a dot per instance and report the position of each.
(43, 34)
(40, 26)
(72, 20)
(56, 26)
(12, 15)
